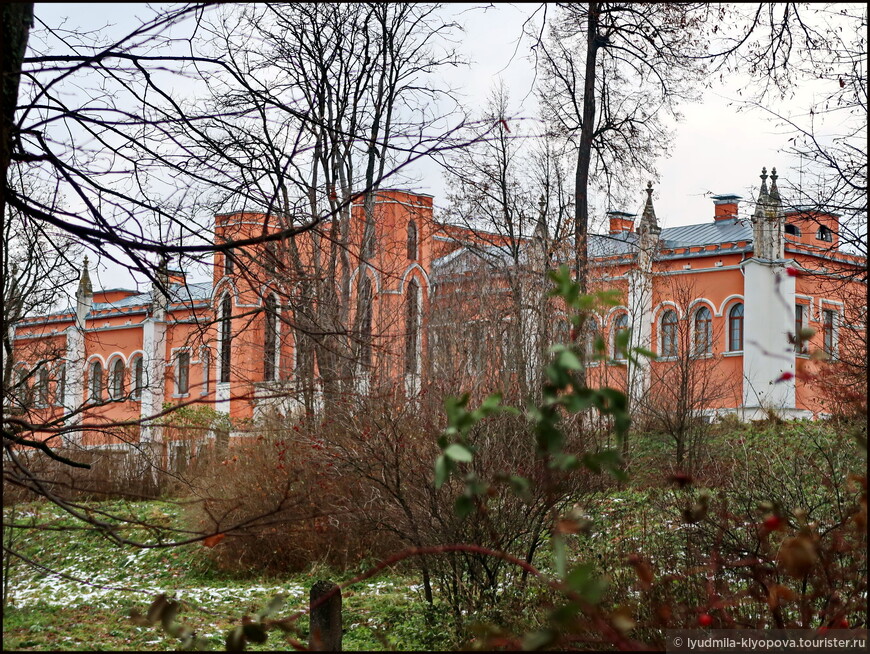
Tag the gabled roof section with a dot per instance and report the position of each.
(720, 231)
(179, 294)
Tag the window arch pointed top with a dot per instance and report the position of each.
(412, 240)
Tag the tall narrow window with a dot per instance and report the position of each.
(60, 388)
(365, 321)
(116, 383)
(138, 374)
(669, 333)
(590, 337)
(182, 372)
(229, 266)
(412, 240)
(621, 325)
(96, 382)
(799, 346)
(270, 338)
(561, 331)
(42, 380)
(205, 357)
(703, 331)
(23, 390)
(828, 331)
(226, 337)
(735, 328)
(412, 309)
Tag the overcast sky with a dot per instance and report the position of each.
(716, 149)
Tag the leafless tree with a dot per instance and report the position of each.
(331, 101)
(509, 190)
(612, 75)
(687, 378)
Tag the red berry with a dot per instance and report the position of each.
(705, 619)
(844, 624)
(792, 272)
(773, 523)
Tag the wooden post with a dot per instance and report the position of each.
(325, 631)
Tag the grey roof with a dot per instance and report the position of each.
(178, 294)
(719, 231)
(606, 245)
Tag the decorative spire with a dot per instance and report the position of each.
(774, 191)
(648, 219)
(541, 225)
(762, 193)
(767, 221)
(85, 286)
(84, 296)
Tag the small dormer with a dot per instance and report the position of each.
(811, 227)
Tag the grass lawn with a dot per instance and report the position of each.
(48, 612)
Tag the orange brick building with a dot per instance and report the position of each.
(281, 323)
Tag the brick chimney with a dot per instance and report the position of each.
(620, 221)
(725, 206)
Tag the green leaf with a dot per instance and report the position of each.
(464, 506)
(459, 452)
(578, 400)
(564, 615)
(586, 583)
(520, 486)
(559, 555)
(491, 402)
(569, 360)
(565, 461)
(646, 353)
(442, 470)
(549, 439)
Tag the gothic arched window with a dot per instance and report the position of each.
(619, 326)
(735, 328)
(703, 331)
(365, 321)
(116, 379)
(270, 338)
(412, 328)
(96, 381)
(669, 333)
(137, 373)
(226, 337)
(412, 240)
